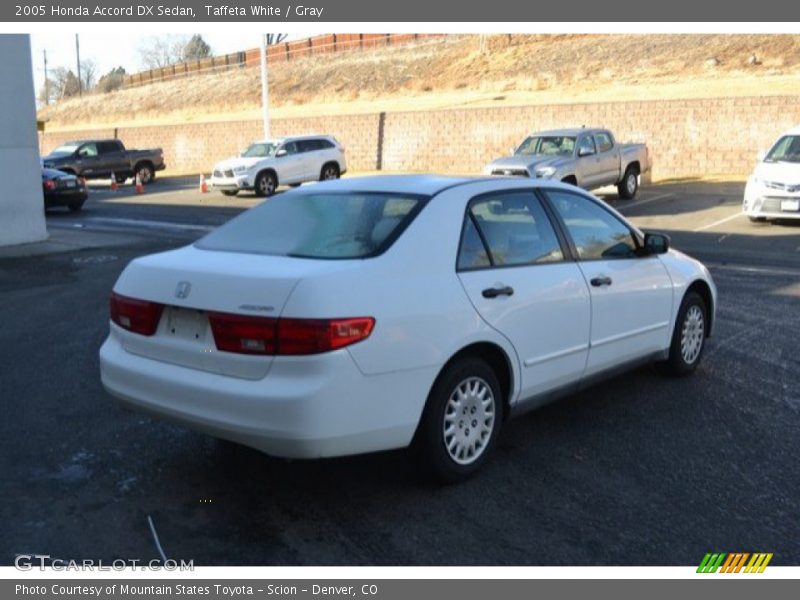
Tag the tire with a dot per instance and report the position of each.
(75, 206)
(758, 219)
(688, 338)
(145, 172)
(475, 378)
(570, 180)
(329, 171)
(229, 192)
(627, 188)
(266, 184)
(121, 178)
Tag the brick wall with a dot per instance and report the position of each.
(686, 137)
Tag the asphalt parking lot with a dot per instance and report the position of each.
(639, 470)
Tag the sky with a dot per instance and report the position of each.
(117, 49)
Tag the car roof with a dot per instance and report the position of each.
(570, 131)
(426, 185)
(87, 141)
(792, 131)
(287, 138)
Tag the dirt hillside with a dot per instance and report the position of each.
(461, 71)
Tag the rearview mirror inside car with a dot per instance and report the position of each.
(656, 243)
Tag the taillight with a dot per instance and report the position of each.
(312, 336)
(263, 335)
(243, 334)
(138, 316)
(49, 184)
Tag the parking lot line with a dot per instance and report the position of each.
(645, 201)
(720, 222)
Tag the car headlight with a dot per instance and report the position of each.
(545, 171)
(239, 169)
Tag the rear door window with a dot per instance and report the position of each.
(512, 228)
(604, 143)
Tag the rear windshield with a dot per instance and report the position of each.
(325, 225)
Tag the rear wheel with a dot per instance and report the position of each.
(75, 206)
(329, 171)
(229, 192)
(145, 173)
(461, 421)
(266, 184)
(629, 185)
(689, 336)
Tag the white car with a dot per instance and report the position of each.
(265, 165)
(375, 313)
(773, 190)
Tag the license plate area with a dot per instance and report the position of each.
(187, 324)
(790, 205)
(69, 184)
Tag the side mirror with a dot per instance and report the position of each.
(281, 152)
(762, 154)
(656, 243)
(512, 151)
(584, 152)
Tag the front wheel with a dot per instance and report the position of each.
(461, 421)
(266, 184)
(627, 188)
(689, 336)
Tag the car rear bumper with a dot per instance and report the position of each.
(306, 407)
(65, 198)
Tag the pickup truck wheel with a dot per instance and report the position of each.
(629, 185)
(121, 178)
(145, 173)
(266, 184)
(329, 171)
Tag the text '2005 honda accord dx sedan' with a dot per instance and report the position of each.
(383, 312)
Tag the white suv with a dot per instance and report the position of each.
(265, 165)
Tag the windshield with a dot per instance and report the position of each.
(322, 225)
(550, 145)
(260, 150)
(67, 148)
(787, 149)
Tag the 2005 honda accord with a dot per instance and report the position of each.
(375, 313)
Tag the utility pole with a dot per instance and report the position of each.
(264, 86)
(78, 58)
(46, 82)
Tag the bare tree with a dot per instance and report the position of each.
(161, 51)
(276, 38)
(88, 73)
(64, 83)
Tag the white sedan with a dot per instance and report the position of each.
(382, 312)
(773, 190)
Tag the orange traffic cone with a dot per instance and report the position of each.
(114, 184)
(203, 185)
(139, 186)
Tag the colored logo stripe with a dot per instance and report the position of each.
(734, 562)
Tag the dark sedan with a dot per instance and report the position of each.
(63, 189)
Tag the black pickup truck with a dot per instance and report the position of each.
(98, 159)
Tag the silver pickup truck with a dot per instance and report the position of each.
(588, 158)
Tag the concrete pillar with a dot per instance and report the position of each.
(21, 201)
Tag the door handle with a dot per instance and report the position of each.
(498, 291)
(600, 281)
